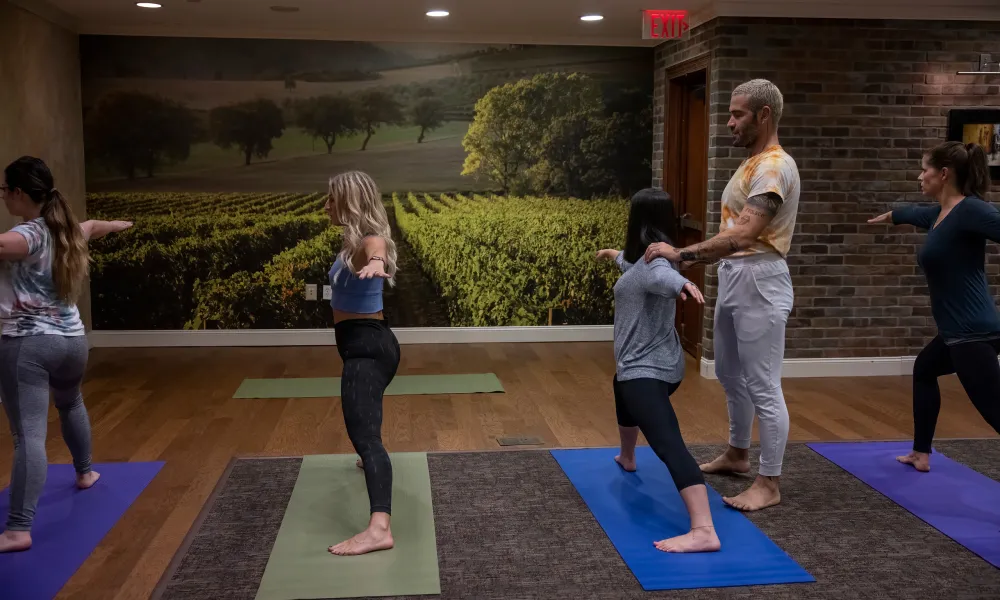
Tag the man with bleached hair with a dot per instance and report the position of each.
(759, 207)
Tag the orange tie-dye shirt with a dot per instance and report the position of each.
(773, 170)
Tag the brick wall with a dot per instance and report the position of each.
(863, 99)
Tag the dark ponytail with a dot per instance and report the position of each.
(977, 182)
(968, 164)
(70, 259)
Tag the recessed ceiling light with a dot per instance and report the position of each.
(437, 13)
(591, 18)
(147, 5)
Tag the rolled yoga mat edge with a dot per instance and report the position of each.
(329, 504)
(959, 502)
(401, 385)
(69, 524)
(637, 509)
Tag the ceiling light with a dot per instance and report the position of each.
(147, 5)
(437, 13)
(591, 18)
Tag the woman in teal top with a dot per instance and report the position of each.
(367, 346)
(953, 260)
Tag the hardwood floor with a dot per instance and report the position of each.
(175, 405)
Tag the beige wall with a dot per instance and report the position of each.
(40, 107)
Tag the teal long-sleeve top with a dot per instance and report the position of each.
(953, 258)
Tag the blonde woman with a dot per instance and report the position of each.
(43, 263)
(367, 346)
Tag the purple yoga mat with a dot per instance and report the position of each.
(961, 503)
(69, 523)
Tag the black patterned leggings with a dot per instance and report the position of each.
(370, 353)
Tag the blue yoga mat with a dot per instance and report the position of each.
(69, 523)
(961, 503)
(637, 509)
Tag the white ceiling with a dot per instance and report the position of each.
(501, 21)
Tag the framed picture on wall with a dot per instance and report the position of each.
(980, 126)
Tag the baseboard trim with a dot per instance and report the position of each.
(791, 368)
(878, 366)
(325, 337)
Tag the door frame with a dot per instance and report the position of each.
(672, 150)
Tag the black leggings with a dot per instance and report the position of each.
(645, 403)
(370, 353)
(977, 368)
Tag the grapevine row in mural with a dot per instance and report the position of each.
(237, 261)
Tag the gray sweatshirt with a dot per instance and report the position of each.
(646, 342)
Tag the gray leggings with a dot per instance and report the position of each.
(29, 367)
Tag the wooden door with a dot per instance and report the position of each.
(685, 176)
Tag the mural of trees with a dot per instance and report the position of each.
(530, 148)
(250, 126)
(132, 131)
(428, 114)
(561, 134)
(328, 117)
(378, 108)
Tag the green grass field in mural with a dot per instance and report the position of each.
(209, 160)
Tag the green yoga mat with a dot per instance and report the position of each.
(402, 385)
(330, 504)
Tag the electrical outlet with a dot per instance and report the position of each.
(327, 292)
(310, 291)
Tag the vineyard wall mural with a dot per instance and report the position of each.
(503, 170)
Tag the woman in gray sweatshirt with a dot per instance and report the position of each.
(650, 362)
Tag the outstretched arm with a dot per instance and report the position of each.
(375, 254)
(664, 280)
(922, 217)
(94, 229)
(616, 256)
(13, 246)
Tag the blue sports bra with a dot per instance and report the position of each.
(354, 295)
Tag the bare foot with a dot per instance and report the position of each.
(627, 464)
(369, 540)
(762, 494)
(360, 463)
(920, 461)
(702, 539)
(87, 480)
(15, 541)
(727, 463)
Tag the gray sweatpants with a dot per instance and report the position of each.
(755, 298)
(29, 367)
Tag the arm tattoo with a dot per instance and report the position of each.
(768, 202)
(745, 218)
(709, 250)
(763, 206)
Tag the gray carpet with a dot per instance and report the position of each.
(511, 526)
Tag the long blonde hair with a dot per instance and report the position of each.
(359, 207)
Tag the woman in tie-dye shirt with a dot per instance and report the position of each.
(43, 264)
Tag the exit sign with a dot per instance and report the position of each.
(664, 24)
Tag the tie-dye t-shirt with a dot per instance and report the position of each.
(773, 170)
(29, 304)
